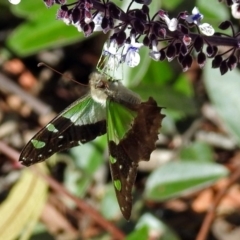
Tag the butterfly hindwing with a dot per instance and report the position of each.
(132, 133)
(81, 122)
(123, 168)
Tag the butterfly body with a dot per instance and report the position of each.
(102, 89)
(132, 129)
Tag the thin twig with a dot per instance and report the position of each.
(115, 232)
(203, 233)
(85, 208)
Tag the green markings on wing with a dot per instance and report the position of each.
(51, 128)
(117, 184)
(119, 121)
(77, 108)
(85, 111)
(38, 144)
(112, 160)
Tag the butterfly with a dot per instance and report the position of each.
(132, 128)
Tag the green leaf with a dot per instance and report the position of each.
(184, 86)
(158, 73)
(109, 205)
(168, 98)
(41, 31)
(133, 76)
(214, 14)
(177, 178)
(140, 233)
(31, 9)
(148, 223)
(76, 181)
(224, 94)
(89, 157)
(199, 151)
(171, 5)
(168, 126)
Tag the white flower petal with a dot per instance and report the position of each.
(113, 62)
(132, 58)
(170, 58)
(134, 43)
(110, 49)
(171, 23)
(68, 21)
(76, 24)
(155, 55)
(97, 28)
(126, 48)
(196, 16)
(202, 65)
(130, 52)
(235, 11)
(14, 2)
(98, 22)
(79, 28)
(195, 11)
(206, 29)
(98, 19)
(154, 46)
(172, 26)
(87, 20)
(137, 45)
(189, 19)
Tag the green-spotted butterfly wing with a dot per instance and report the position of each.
(81, 122)
(132, 131)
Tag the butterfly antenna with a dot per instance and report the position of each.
(54, 70)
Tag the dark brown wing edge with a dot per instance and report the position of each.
(137, 145)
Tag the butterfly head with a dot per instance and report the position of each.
(98, 87)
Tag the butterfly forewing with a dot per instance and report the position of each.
(81, 122)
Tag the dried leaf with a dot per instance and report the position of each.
(23, 207)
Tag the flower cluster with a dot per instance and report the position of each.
(134, 28)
